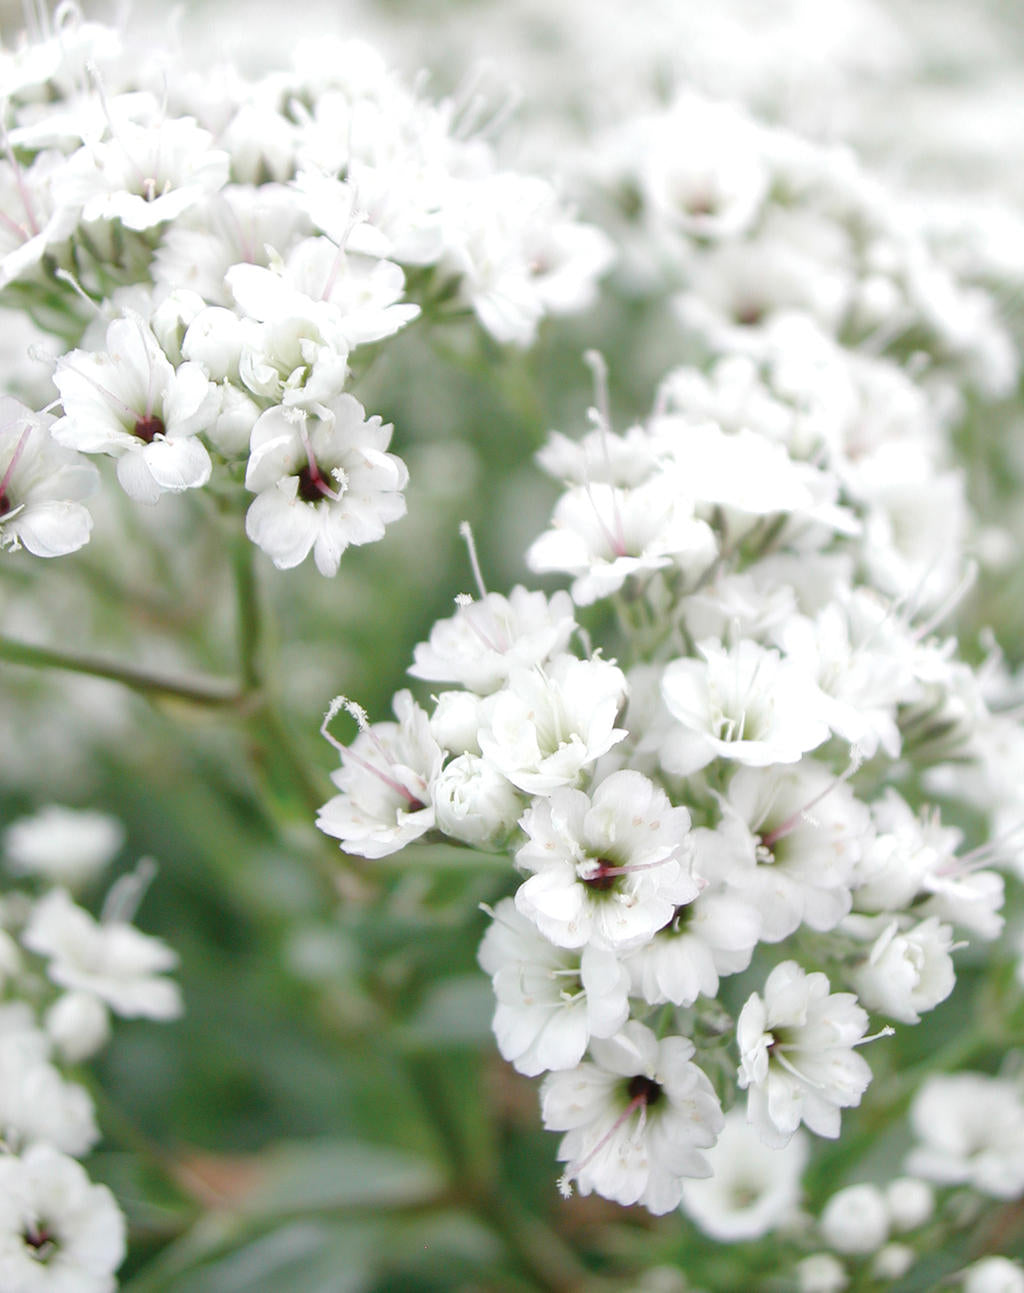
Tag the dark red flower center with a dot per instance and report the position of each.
(644, 1088)
(149, 428)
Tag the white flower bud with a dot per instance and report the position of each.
(78, 1024)
(231, 430)
(455, 722)
(994, 1275)
(907, 973)
(856, 1220)
(892, 1262)
(821, 1273)
(474, 803)
(910, 1202)
(214, 339)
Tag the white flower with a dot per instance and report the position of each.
(474, 803)
(608, 869)
(910, 1203)
(743, 703)
(242, 224)
(78, 1024)
(714, 186)
(797, 1056)
(993, 1275)
(112, 960)
(856, 1220)
(36, 1103)
(637, 1117)
(907, 973)
(821, 1273)
(33, 220)
(546, 725)
(40, 486)
(385, 781)
(130, 402)
(753, 1189)
(788, 842)
(846, 651)
(322, 483)
(67, 845)
(971, 1129)
(485, 639)
(59, 1233)
(145, 174)
(602, 534)
(550, 1000)
(355, 299)
(712, 936)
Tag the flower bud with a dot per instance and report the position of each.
(856, 1220)
(905, 974)
(910, 1203)
(994, 1275)
(474, 803)
(78, 1025)
(821, 1273)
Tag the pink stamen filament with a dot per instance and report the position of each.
(414, 804)
(19, 448)
(573, 1170)
(312, 473)
(126, 410)
(794, 819)
(23, 193)
(616, 538)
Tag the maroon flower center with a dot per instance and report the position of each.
(604, 877)
(148, 428)
(310, 486)
(41, 1240)
(645, 1089)
(5, 503)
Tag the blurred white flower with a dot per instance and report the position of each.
(753, 1189)
(66, 845)
(41, 484)
(112, 960)
(59, 1233)
(855, 1221)
(970, 1129)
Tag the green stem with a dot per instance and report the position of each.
(250, 621)
(199, 691)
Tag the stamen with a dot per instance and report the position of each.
(794, 819)
(23, 192)
(465, 603)
(949, 604)
(359, 714)
(466, 530)
(127, 892)
(312, 486)
(573, 1169)
(66, 277)
(19, 448)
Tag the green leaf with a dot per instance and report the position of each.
(324, 1176)
(304, 1257)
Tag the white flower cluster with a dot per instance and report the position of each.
(750, 221)
(736, 786)
(58, 1230)
(214, 249)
